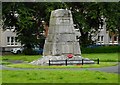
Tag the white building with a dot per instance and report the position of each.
(8, 40)
(104, 37)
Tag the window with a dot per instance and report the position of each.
(11, 41)
(15, 40)
(101, 39)
(10, 28)
(113, 38)
(98, 38)
(8, 40)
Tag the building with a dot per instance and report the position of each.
(104, 37)
(8, 39)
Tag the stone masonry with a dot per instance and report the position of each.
(61, 39)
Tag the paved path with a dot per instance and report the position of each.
(112, 69)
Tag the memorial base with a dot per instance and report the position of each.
(61, 60)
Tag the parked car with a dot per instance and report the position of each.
(38, 50)
(20, 50)
(17, 50)
(93, 46)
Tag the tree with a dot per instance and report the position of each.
(87, 17)
(28, 24)
(112, 14)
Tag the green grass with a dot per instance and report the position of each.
(102, 56)
(27, 58)
(0, 59)
(0, 71)
(102, 64)
(58, 76)
(5, 63)
(0, 77)
(107, 57)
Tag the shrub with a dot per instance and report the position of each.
(101, 49)
(29, 52)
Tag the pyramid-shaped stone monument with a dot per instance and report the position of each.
(61, 41)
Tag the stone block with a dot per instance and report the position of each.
(76, 48)
(47, 49)
(50, 38)
(67, 48)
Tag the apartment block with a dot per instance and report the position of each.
(8, 40)
(105, 37)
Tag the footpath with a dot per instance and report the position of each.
(111, 69)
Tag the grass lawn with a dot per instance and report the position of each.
(0, 59)
(102, 64)
(0, 71)
(0, 77)
(107, 57)
(25, 58)
(58, 76)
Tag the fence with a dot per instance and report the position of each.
(65, 62)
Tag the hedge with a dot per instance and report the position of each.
(101, 49)
(29, 52)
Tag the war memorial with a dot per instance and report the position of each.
(61, 43)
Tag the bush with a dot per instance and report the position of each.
(101, 49)
(29, 52)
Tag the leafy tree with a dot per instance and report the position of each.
(28, 24)
(112, 14)
(86, 16)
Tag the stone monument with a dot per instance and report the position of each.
(61, 39)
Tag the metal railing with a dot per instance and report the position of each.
(67, 62)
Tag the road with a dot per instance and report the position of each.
(111, 69)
